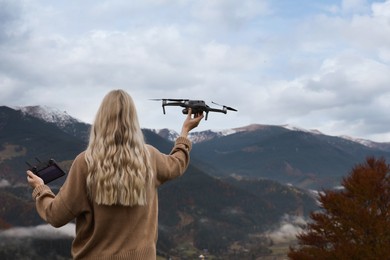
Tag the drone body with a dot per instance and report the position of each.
(197, 106)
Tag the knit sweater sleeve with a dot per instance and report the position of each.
(62, 208)
(174, 164)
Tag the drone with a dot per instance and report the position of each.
(197, 106)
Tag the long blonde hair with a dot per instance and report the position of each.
(117, 157)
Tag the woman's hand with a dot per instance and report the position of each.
(34, 180)
(190, 122)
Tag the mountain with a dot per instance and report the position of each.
(61, 119)
(288, 154)
(204, 136)
(197, 211)
(241, 182)
(195, 137)
(216, 213)
(369, 143)
(302, 158)
(24, 138)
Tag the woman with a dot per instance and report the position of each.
(111, 188)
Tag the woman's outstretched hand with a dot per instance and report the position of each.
(191, 122)
(34, 180)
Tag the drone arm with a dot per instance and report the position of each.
(181, 104)
(216, 110)
(171, 104)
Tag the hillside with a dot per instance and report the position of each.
(24, 138)
(233, 193)
(197, 211)
(304, 159)
(307, 159)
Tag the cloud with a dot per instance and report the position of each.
(289, 228)
(4, 183)
(277, 65)
(40, 231)
(230, 13)
(354, 5)
(10, 13)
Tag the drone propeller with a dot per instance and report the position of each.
(228, 108)
(169, 99)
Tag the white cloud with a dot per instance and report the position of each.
(290, 227)
(230, 13)
(40, 231)
(381, 9)
(317, 69)
(354, 5)
(4, 183)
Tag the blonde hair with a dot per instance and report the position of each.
(119, 169)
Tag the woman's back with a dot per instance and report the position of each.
(107, 227)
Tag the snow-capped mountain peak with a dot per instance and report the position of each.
(300, 129)
(48, 114)
(195, 137)
(166, 133)
(360, 140)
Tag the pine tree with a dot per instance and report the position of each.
(354, 222)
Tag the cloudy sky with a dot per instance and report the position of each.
(321, 64)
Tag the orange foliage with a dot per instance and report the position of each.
(354, 222)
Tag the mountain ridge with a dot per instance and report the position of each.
(48, 114)
(289, 154)
(197, 210)
(239, 184)
(207, 135)
(63, 119)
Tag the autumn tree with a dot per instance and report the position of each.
(354, 222)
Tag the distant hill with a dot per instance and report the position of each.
(216, 213)
(61, 119)
(304, 159)
(24, 137)
(233, 191)
(307, 159)
(197, 211)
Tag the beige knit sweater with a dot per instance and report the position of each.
(111, 232)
